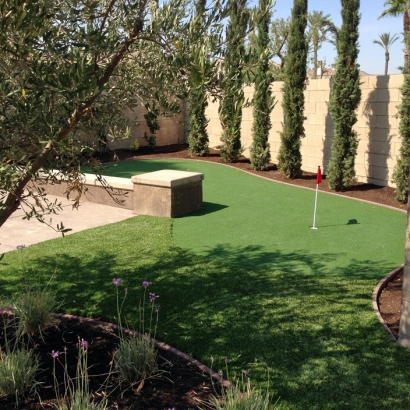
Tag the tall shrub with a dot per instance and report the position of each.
(402, 168)
(197, 97)
(290, 158)
(344, 100)
(263, 99)
(230, 109)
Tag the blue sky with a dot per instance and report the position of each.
(371, 56)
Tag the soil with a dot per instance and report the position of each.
(390, 302)
(181, 385)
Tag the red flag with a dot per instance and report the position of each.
(319, 176)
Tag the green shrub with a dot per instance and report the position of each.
(151, 140)
(134, 146)
(18, 370)
(34, 311)
(136, 359)
(243, 397)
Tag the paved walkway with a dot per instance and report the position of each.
(17, 231)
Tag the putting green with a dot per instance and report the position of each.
(249, 221)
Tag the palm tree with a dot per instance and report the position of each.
(319, 28)
(385, 41)
(396, 8)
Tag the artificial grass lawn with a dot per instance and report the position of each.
(252, 222)
(316, 330)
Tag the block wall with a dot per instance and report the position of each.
(377, 127)
(172, 130)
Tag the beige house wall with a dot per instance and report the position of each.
(377, 127)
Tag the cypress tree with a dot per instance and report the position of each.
(344, 100)
(290, 158)
(263, 99)
(198, 136)
(230, 109)
(402, 168)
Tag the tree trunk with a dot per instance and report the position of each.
(406, 28)
(404, 331)
(315, 48)
(12, 201)
(386, 65)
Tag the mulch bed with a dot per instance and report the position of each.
(390, 302)
(180, 384)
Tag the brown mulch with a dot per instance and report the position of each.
(390, 302)
(179, 384)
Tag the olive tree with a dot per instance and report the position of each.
(70, 69)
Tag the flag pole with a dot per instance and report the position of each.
(318, 181)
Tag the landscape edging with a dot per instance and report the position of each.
(158, 344)
(376, 294)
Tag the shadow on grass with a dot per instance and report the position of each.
(319, 336)
(298, 262)
(207, 208)
(317, 333)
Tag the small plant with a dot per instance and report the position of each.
(18, 366)
(151, 119)
(134, 146)
(135, 360)
(151, 140)
(241, 396)
(18, 370)
(34, 311)
(78, 395)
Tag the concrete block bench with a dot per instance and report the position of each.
(119, 194)
(167, 193)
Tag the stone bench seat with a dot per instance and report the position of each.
(167, 193)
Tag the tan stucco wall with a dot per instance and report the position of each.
(377, 127)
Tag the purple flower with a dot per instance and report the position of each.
(20, 247)
(54, 354)
(226, 360)
(146, 284)
(84, 343)
(117, 281)
(245, 373)
(8, 309)
(152, 297)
